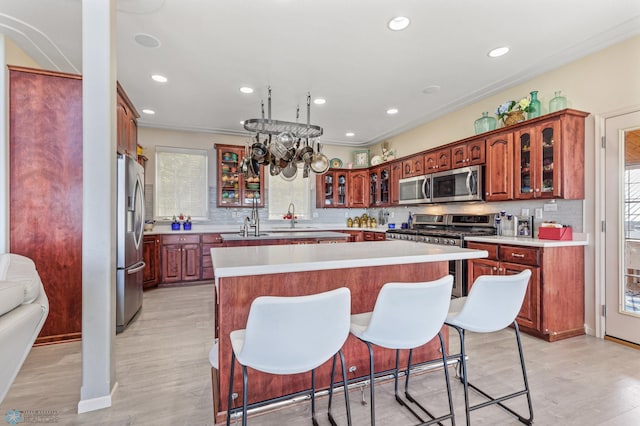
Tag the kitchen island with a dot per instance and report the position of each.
(244, 273)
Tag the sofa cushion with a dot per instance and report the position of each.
(11, 295)
(4, 265)
(22, 270)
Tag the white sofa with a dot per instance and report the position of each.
(23, 309)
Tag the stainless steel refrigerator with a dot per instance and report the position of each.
(130, 226)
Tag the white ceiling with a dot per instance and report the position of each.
(335, 49)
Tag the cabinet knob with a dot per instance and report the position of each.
(537, 189)
(495, 269)
(486, 193)
(500, 269)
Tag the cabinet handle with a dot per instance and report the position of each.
(519, 255)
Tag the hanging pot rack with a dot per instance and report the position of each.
(293, 144)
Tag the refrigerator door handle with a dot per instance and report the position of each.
(136, 268)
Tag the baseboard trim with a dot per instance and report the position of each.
(622, 342)
(93, 404)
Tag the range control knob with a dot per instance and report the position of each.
(436, 240)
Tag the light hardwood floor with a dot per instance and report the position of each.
(164, 377)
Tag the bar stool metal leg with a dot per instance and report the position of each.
(345, 387)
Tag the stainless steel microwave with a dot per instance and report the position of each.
(463, 184)
(415, 190)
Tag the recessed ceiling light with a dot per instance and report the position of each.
(319, 101)
(431, 89)
(392, 111)
(146, 40)
(159, 78)
(246, 89)
(398, 23)
(499, 51)
(148, 111)
(349, 134)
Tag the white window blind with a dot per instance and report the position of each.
(298, 192)
(181, 183)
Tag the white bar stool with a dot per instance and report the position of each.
(492, 305)
(291, 335)
(406, 316)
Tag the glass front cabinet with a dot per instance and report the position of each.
(331, 189)
(537, 161)
(235, 190)
(379, 186)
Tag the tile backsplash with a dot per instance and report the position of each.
(569, 212)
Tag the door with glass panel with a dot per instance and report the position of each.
(622, 240)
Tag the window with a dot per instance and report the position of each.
(298, 192)
(181, 183)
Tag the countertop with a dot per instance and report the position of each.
(257, 260)
(578, 240)
(287, 235)
(235, 229)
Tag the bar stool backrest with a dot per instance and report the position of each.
(493, 302)
(289, 335)
(408, 315)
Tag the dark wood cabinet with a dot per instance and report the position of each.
(359, 188)
(46, 184)
(180, 258)
(499, 170)
(233, 189)
(395, 171)
(468, 154)
(127, 117)
(545, 167)
(437, 160)
(151, 256)
(332, 189)
(209, 241)
(45, 189)
(413, 166)
(553, 307)
(380, 186)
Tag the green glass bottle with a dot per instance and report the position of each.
(558, 102)
(485, 123)
(534, 106)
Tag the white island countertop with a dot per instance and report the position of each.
(258, 260)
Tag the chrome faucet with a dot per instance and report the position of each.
(255, 219)
(291, 210)
(245, 227)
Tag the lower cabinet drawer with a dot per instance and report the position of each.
(519, 254)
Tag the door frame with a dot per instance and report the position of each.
(599, 215)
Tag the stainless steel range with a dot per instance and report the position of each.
(447, 229)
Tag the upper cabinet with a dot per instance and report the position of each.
(332, 189)
(234, 190)
(413, 166)
(549, 160)
(359, 188)
(437, 160)
(395, 173)
(541, 159)
(538, 158)
(127, 117)
(468, 154)
(380, 186)
(498, 179)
